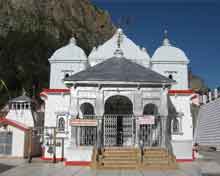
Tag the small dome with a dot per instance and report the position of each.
(169, 53)
(69, 52)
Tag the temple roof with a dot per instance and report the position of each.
(119, 69)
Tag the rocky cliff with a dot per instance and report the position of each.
(30, 31)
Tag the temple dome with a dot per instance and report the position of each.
(130, 50)
(169, 53)
(70, 52)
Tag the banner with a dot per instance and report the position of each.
(146, 120)
(83, 122)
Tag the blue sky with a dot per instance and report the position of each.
(193, 26)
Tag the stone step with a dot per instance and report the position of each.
(118, 158)
(119, 163)
(124, 167)
(156, 155)
(155, 162)
(120, 151)
(155, 159)
(119, 154)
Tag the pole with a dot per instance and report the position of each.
(30, 145)
(62, 157)
(54, 145)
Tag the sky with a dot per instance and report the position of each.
(193, 26)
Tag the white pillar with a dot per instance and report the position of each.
(216, 93)
(210, 96)
(204, 98)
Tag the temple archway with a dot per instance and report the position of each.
(118, 105)
(118, 121)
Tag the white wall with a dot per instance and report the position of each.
(23, 116)
(182, 143)
(54, 105)
(179, 72)
(58, 69)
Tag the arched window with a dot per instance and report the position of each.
(87, 109)
(61, 124)
(150, 109)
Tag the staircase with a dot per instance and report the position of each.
(158, 158)
(131, 158)
(118, 158)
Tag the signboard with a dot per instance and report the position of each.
(83, 122)
(146, 120)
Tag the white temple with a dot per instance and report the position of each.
(118, 96)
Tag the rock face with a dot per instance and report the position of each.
(88, 23)
(30, 31)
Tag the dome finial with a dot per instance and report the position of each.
(118, 52)
(166, 41)
(24, 92)
(72, 40)
(119, 37)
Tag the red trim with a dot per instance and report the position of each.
(188, 160)
(181, 92)
(56, 90)
(193, 97)
(14, 124)
(51, 159)
(77, 163)
(184, 160)
(51, 91)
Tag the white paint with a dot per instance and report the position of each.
(166, 60)
(69, 59)
(18, 141)
(169, 60)
(23, 116)
(129, 48)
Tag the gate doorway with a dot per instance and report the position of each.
(118, 121)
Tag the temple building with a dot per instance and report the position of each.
(118, 97)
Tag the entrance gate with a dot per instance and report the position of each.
(118, 124)
(118, 130)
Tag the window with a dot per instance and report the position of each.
(170, 76)
(150, 109)
(61, 124)
(67, 75)
(87, 110)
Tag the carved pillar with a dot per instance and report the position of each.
(163, 111)
(137, 108)
(99, 113)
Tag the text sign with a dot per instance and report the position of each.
(83, 122)
(146, 120)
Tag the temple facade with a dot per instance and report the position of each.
(118, 96)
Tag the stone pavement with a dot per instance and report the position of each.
(37, 168)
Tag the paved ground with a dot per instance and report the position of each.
(208, 166)
(37, 168)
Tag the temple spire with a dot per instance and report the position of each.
(166, 41)
(118, 52)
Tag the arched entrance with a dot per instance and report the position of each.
(150, 133)
(118, 121)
